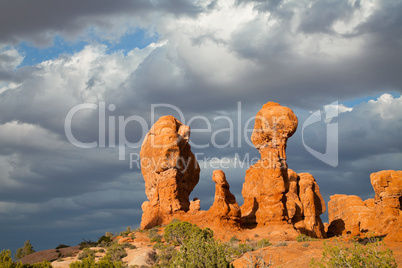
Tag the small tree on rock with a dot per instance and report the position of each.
(24, 251)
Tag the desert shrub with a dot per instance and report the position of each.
(200, 251)
(257, 259)
(244, 247)
(62, 246)
(304, 238)
(132, 236)
(126, 232)
(104, 240)
(87, 244)
(24, 251)
(234, 240)
(44, 264)
(154, 236)
(109, 234)
(116, 252)
(176, 232)
(7, 262)
(282, 244)
(198, 247)
(306, 245)
(129, 246)
(342, 254)
(164, 255)
(5, 259)
(263, 243)
(107, 262)
(86, 253)
(89, 262)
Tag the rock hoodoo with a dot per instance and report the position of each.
(264, 186)
(272, 193)
(225, 206)
(381, 215)
(170, 171)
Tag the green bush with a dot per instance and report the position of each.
(104, 240)
(24, 251)
(107, 262)
(154, 236)
(109, 234)
(176, 232)
(198, 248)
(243, 248)
(44, 264)
(164, 255)
(89, 262)
(126, 232)
(62, 246)
(305, 238)
(353, 255)
(7, 262)
(282, 244)
(116, 252)
(234, 240)
(86, 253)
(5, 259)
(87, 244)
(200, 252)
(263, 243)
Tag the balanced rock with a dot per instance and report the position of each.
(264, 187)
(170, 171)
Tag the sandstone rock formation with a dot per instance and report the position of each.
(387, 186)
(225, 206)
(264, 186)
(170, 171)
(381, 215)
(273, 195)
(348, 214)
(305, 204)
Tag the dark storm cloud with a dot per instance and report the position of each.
(38, 21)
(322, 15)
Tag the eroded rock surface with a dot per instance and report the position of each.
(381, 216)
(170, 171)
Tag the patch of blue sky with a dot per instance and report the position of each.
(139, 39)
(34, 55)
(364, 99)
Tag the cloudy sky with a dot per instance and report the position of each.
(91, 74)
